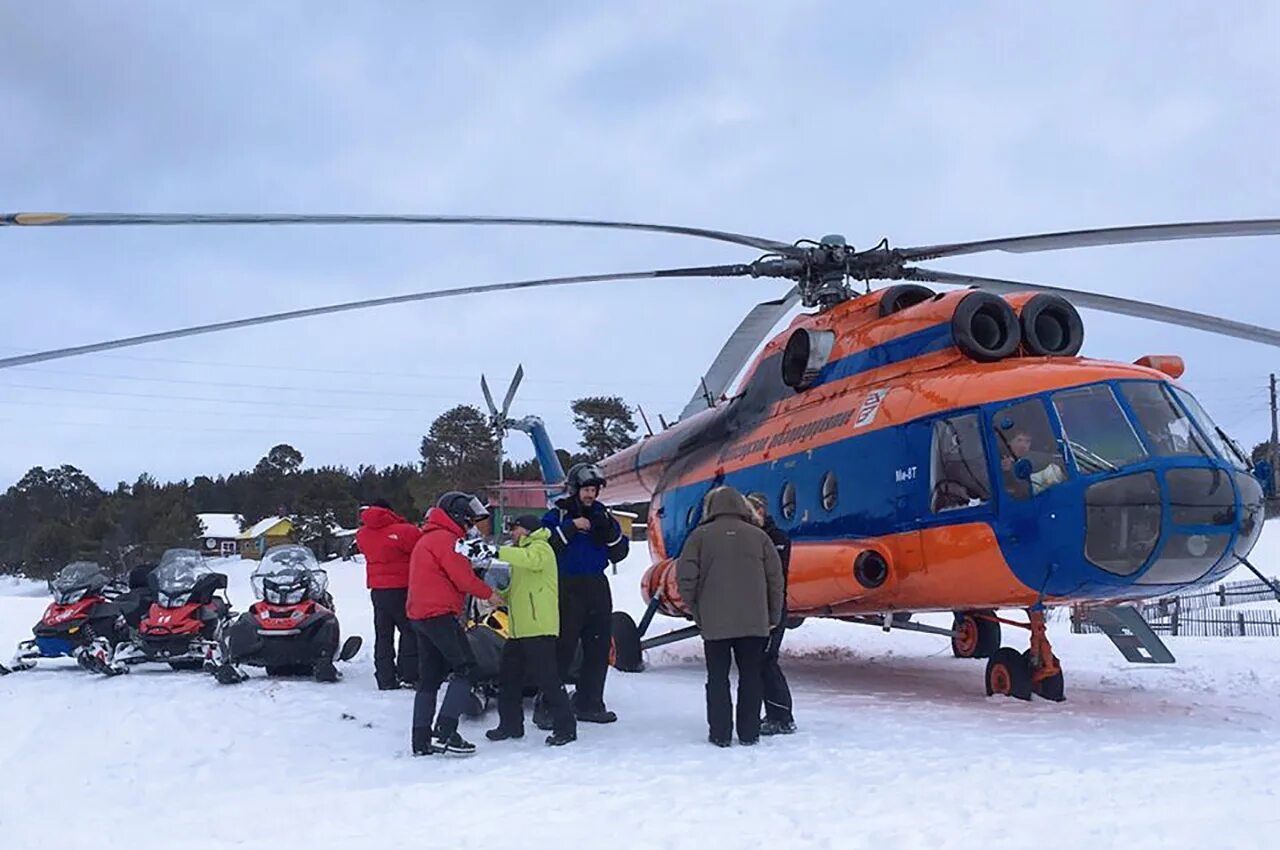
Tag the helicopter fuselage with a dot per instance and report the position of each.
(976, 485)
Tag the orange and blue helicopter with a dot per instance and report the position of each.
(925, 452)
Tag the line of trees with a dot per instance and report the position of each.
(53, 516)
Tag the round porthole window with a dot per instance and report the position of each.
(830, 491)
(787, 504)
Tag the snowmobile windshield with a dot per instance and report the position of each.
(74, 581)
(177, 575)
(288, 575)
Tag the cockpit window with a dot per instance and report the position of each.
(1224, 444)
(1166, 427)
(1023, 432)
(959, 471)
(1097, 432)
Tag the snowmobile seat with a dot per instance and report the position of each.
(140, 576)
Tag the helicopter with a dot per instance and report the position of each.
(925, 451)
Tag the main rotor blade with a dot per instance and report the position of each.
(171, 219)
(270, 318)
(1101, 236)
(1112, 304)
(750, 332)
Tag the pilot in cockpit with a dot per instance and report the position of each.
(1046, 468)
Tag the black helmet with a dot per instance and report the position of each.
(462, 508)
(584, 475)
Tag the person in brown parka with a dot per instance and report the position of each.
(730, 577)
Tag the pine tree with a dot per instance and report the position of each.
(606, 425)
(459, 452)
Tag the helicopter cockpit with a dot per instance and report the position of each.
(1167, 495)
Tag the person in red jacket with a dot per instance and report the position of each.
(440, 578)
(386, 541)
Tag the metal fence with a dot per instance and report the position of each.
(1202, 613)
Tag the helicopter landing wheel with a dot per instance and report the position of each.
(1046, 672)
(975, 635)
(1009, 674)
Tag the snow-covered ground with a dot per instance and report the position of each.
(898, 747)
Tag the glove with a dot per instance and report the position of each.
(602, 532)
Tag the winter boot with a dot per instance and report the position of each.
(422, 745)
(455, 745)
(325, 671)
(501, 734)
(777, 727)
(558, 739)
(720, 742)
(601, 716)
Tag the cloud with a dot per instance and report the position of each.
(922, 124)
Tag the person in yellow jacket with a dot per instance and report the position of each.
(533, 606)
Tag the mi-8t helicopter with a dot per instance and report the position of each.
(925, 451)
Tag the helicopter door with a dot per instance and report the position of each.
(959, 481)
(1030, 465)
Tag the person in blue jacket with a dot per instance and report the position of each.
(586, 539)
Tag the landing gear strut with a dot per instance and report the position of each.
(1020, 674)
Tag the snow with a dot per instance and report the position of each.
(898, 747)
(224, 526)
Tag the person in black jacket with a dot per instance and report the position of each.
(586, 539)
(778, 716)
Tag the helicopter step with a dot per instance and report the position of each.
(1131, 634)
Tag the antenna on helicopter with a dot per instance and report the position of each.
(706, 394)
(645, 420)
(500, 422)
(663, 422)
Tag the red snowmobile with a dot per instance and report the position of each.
(292, 629)
(85, 621)
(183, 626)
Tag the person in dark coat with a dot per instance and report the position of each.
(387, 541)
(440, 578)
(778, 716)
(730, 577)
(586, 539)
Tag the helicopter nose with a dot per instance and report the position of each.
(1177, 523)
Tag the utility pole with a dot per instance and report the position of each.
(1275, 430)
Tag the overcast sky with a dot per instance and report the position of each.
(924, 123)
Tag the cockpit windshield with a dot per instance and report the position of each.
(1167, 429)
(1224, 444)
(1098, 434)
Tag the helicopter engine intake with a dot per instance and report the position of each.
(985, 327)
(1051, 326)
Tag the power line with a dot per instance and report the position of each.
(365, 373)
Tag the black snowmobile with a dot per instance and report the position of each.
(292, 629)
(86, 620)
(183, 625)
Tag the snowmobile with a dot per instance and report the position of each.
(292, 629)
(183, 624)
(85, 621)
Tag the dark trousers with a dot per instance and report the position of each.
(748, 654)
(777, 694)
(443, 652)
(388, 618)
(586, 617)
(532, 660)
